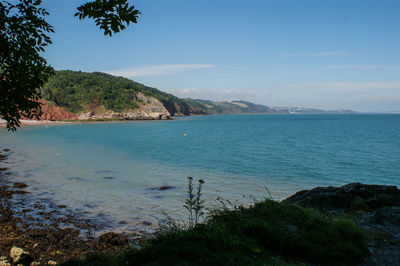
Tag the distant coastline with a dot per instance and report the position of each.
(71, 95)
(80, 97)
(46, 122)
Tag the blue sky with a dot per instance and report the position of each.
(323, 54)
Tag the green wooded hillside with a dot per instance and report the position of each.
(80, 92)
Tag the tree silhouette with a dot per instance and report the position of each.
(24, 36)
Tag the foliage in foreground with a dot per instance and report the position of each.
(24, 35)
(267, 233)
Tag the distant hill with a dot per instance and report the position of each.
(231, 107)
(301, 110)
(100, 95)
(244, 107)
(83, 92)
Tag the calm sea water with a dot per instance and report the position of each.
(119, 166)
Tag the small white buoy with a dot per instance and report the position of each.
(184, 134)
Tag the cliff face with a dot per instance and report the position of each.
(49, 111)
(150, 108)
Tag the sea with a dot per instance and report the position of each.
(135, 174)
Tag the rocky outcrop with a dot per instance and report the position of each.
(87, 115)
(375, 208)
(150, 109)
(49, 111)
(352, 196)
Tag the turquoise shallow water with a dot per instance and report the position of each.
(117, 165)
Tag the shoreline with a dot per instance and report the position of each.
(29, 123)
(49, 232)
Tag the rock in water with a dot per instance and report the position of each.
(19, 256)
(166, 188)
(348, 197)
(20, 185)
(162, 188)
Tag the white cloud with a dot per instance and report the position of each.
(361, 67)
(326, 53)
(156, 70)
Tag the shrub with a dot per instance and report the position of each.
(266, 233)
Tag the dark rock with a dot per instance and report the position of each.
(375, 208)
(389, 218)
(166, 187)
(88, 205)
(113, 239)
(20, 192)
(20, 185)
(353, 196)
(162, 188)
(146, 223)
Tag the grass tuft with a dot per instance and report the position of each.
(267, 233)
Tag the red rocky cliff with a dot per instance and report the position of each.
(49, 111)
